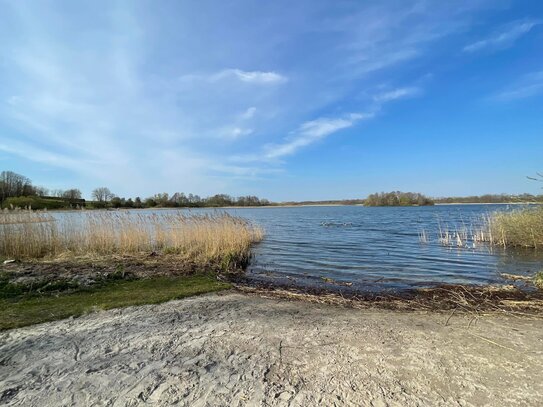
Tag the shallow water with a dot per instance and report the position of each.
(377, 248)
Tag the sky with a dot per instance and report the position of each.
(286, 100)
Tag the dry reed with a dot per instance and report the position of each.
(522, 228)
(518, 228)
(200, 238)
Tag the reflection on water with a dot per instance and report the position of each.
(378, 248)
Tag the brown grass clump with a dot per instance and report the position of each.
(216, 237)
(538, 280)
(522, 228)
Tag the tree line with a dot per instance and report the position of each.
(491, 198)
(103, 197)
(16, 190)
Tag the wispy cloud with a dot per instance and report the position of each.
(101, 94)
(257, 77)
(318, 129)
(395, 94)
(503, 38)
(249, 113)
(312, 131)
(528, 86)
(233, 132)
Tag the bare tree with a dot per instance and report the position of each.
(102, 194)
(72, 194)
(41, 191)
(13, 184)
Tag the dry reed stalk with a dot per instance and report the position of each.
(522, 227)
(202, 238)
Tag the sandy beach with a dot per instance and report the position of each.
(235, 349)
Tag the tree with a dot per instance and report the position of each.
(72, 194)
(150, 203)
(41, 191)
(161, 199)
(102, 195)
(116, 202)
(13, 184)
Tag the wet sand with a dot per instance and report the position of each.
(235, 349)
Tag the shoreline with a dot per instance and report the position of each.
(189, 208)
(236, 349)
(29, 286)
(440, 298)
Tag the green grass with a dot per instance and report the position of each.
(22, 311)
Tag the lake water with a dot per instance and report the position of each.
(378, 248)
(375, 248)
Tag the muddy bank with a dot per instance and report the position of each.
(246, 350)
(472, 299)
(72, 274)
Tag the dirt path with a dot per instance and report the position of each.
(241, 350)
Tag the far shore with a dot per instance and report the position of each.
(489, 203)
(291, 206)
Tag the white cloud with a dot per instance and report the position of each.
(312, 131)
(233, 132)
(504, 38)
(395, 94)
(249, 113)
(528, 86)
(257, 77)
(97, 91)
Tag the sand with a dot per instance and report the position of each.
(234, 349)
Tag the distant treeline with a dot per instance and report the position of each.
(397, 198)
(17, 191)
(180, 200)
(489, 198)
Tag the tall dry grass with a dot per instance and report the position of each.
(216, 237)
(521, 227)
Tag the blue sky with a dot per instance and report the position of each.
(288, 100)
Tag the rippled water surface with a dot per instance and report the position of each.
(378, 248)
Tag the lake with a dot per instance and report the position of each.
(375, 248)
(378, 248)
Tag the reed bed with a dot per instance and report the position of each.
(216, 237)
(520, 228)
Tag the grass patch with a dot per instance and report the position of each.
(522, 228)
(22, 311)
